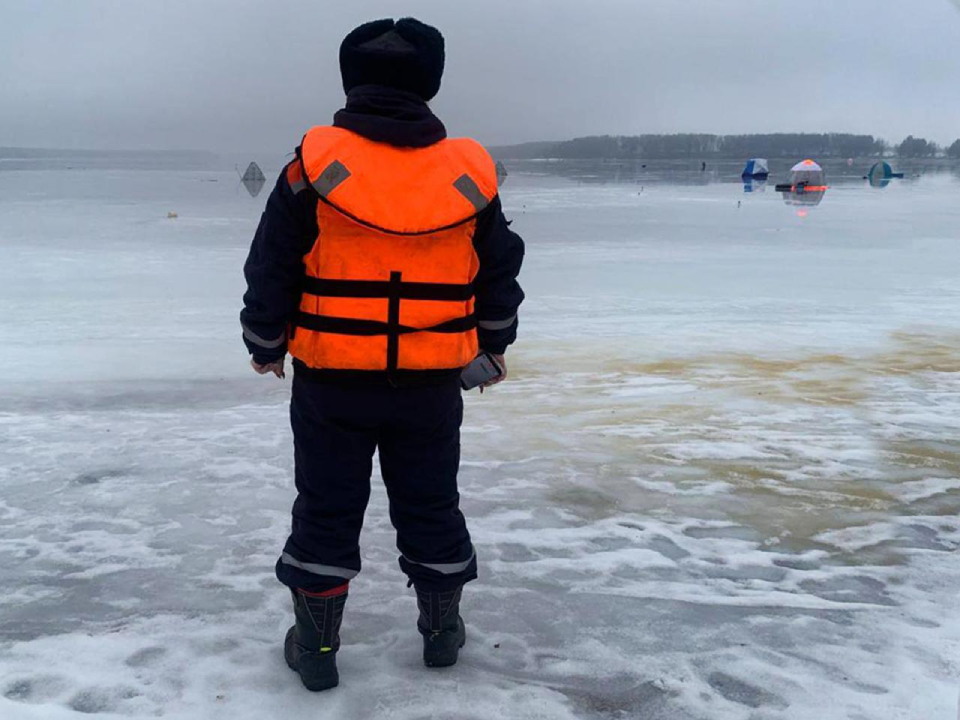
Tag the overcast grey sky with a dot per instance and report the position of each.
(254, 75)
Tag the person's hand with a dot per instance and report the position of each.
(500, 378)
(276, 367)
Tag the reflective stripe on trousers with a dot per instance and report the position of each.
(318, 569)
(446, 568)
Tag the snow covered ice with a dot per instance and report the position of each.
(722, 483)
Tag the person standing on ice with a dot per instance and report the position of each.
(383, 263)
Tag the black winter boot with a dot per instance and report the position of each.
(441, 626)
(312, 643)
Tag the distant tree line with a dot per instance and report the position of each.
(690, 145)
(912, 147)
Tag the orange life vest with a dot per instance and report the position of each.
(388, 281)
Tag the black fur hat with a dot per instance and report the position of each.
(406, 54)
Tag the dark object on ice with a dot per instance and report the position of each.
(441, 626)
(881, 174)
(501, 173)
(703, 166)
(405, 54)
(312, 643)
(253, 179)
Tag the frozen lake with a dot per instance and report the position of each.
(722, 483)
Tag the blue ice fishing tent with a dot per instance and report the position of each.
(881, 174)
(755, 168)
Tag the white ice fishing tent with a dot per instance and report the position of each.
(755, 167)
(807, 173)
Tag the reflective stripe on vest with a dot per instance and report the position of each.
(388, 282)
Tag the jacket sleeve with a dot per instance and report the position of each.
(274, 268)
(498, 294)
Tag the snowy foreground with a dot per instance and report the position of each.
(723, 483)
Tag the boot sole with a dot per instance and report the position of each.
(317, 671)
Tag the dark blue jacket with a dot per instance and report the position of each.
(288, 228)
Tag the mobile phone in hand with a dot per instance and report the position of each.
(483, 369)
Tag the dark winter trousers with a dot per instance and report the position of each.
(336, 429)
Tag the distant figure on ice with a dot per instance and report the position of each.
(383, 264)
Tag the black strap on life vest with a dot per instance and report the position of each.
(366, 328)
(393, 290)
(383, 289)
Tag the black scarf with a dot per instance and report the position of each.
(387, 115)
